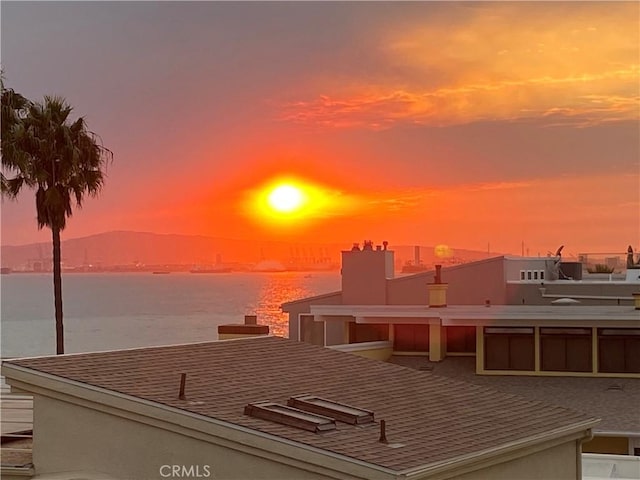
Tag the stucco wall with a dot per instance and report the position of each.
(513, 266)
(373, 350)
(364, 276)
(71, 438)
(337, 330)
(469, 284)
(295, 309)
(557, 463)
(529, 293)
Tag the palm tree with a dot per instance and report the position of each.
(14, 107)
(62, 161)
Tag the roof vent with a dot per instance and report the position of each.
(339, 411)
(290, 416)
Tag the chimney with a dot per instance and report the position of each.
(249, 328)
(365, 273)
(437, 290)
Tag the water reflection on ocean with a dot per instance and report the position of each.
(281, 288)
(110, 311)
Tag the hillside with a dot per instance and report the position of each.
(131, 248)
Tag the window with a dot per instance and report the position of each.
(461, 339)
(541, 274)
(566, 349)
(411, 338)
(535, 275)
(522, 275)
(509, 348)
(619, 350)
(368, 332)
(529, 274)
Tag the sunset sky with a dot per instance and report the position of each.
(425, 123)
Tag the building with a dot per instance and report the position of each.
(510, 316)
(272, 408)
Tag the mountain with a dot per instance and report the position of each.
(126, 248)
(130, 248)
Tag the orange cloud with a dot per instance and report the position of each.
(567, 64)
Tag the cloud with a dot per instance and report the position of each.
(399, 202)
(493, 62)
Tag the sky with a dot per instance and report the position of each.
(471, 124)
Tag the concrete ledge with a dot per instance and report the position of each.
(598, 466)
(240, 329)
(376, 350)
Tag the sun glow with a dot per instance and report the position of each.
(288, 202)
(286, 198)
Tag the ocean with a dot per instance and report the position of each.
(105, 311)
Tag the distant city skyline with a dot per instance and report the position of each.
(432, 123)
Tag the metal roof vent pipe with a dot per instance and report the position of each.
(383, 432)
(437, 290)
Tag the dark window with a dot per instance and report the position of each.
(509, 348)
(461, 339)
(411, 338)
(618, 350)
(368, 332)
(565, 349)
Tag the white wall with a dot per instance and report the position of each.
(73, 438)
(557, 463)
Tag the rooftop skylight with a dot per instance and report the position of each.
(287, 415)
(329, 408)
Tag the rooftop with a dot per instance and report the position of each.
(614, 400)
(429, 419)
(482, 312)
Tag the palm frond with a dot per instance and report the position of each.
(63, 160)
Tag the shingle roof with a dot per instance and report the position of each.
(434, 418)
(614, 400)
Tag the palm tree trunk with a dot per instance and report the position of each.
(57, 290)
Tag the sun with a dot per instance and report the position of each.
(289, 202)
(286, 198)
